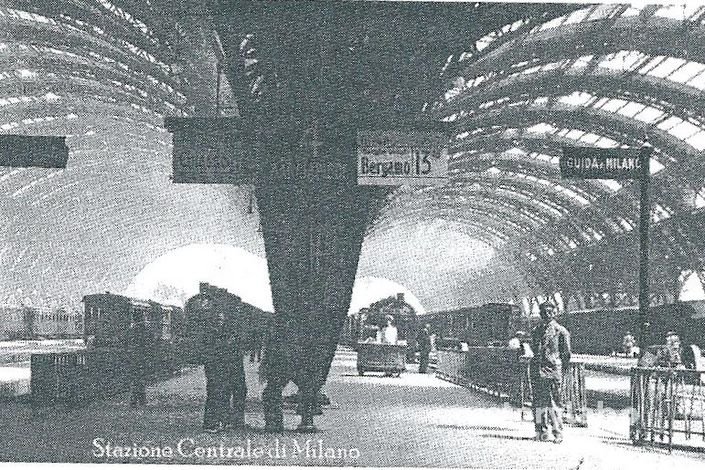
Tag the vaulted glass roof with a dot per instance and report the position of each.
(604, 76)
(105, 73)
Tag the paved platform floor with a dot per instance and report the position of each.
(609, 382)
(413, 420)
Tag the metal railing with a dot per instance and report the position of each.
(501, 373)
(59, 378)
(668, 407)
(72, 378)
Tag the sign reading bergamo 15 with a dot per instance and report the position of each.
(395, 157)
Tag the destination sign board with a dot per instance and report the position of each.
(599, 163)
(33, 151)
(396, 157)
(211, 151)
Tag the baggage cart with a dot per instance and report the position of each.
(381, 357)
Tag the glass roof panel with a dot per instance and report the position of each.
(613, 105)
(577, 16)
(622, 60)
(654, 62)
(700, 198)
(698, 81)
(541, 101)
(669, 123)
(572, 194)
(541, 128)
(611, 184)
(575, 134)
(603, 11)
(601, 102)
(606, 142)
(688, 71)
(582, 61)
(590, 138)
(555, 22)
(666, 67)
(697, 140)
(684, 130)
(649, 114)
(659, 213)
(677, 12)
(577, 98)
(631, 11)
(631, 109)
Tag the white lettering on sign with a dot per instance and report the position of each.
(402, 157)
(610, 163)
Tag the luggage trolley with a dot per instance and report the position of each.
(379, 357)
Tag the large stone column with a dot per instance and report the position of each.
(313, 218)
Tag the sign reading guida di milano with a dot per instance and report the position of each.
(599, 163)
(395, 157)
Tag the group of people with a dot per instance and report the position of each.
(549, 355)
(221, 349)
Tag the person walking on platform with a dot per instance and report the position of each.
(424, 344)
(137, 359)
(551, 345)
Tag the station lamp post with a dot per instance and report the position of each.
(620, 163)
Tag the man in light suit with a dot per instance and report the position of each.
(551, 345)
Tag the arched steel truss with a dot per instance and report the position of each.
(522, 80)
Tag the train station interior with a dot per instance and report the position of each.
(319, 263)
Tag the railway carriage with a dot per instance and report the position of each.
(107, 319)
(36, 323)
(477, 326)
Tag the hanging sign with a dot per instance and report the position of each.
(600, 163)
(211, 150)
(396, 157)
(33, 151)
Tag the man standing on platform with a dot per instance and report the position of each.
(551, 345)
(236, 389)
(214, 351)
(424, 344)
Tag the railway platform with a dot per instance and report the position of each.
(412, 420)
